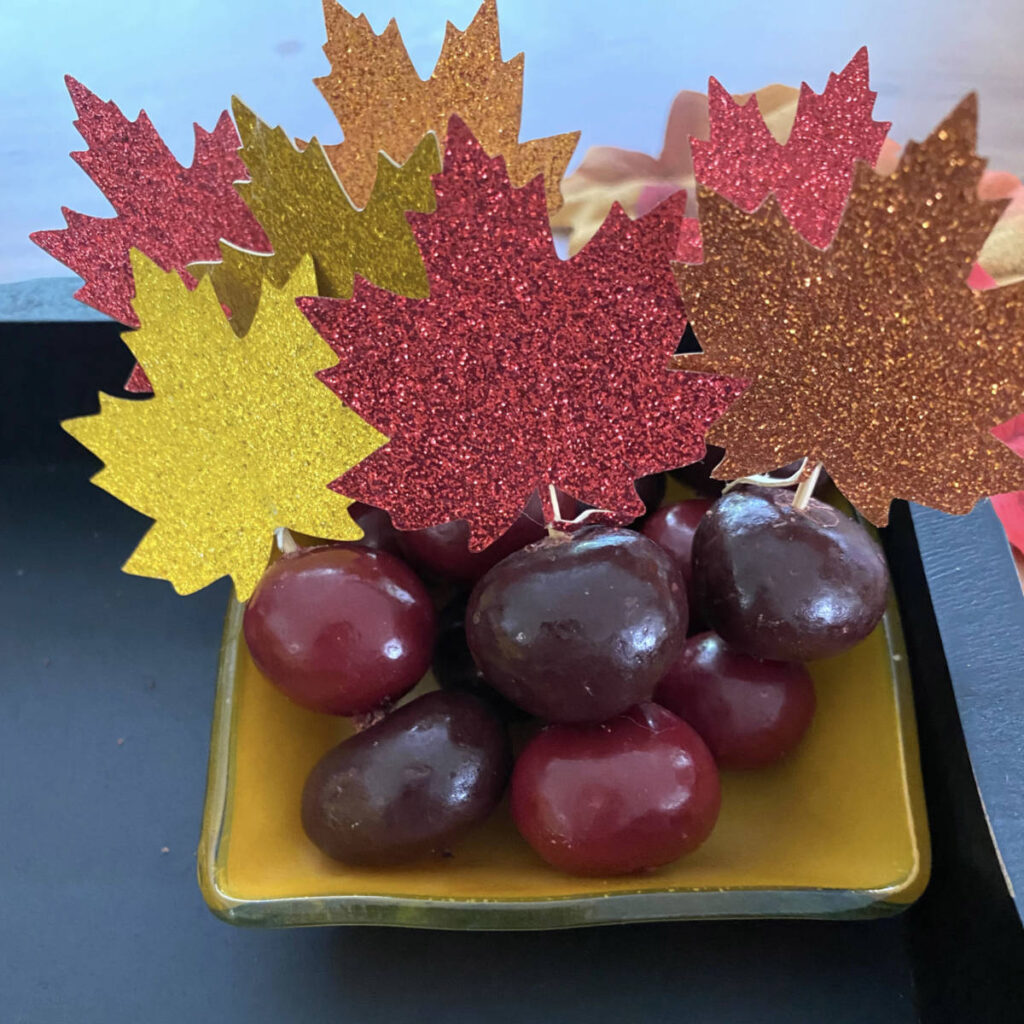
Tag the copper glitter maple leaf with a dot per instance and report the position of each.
(297, 198)
(810, 173)
(874, 356)
(382, 104)
(521, 369)
(173, 214)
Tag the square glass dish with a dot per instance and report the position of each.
(838, 829)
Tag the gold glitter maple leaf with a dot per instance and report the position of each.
(382, 104)
(872, 356)
(239, 438)
(298, 201)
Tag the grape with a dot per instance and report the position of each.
(783, 583)
(625, 795)
(579, 627)
(409, 785)
(749, 712)
(340, 629)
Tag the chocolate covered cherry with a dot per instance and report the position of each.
(749, 712)
(626, 795)
(340, 629)
(409, 785)
(579, 627)
(783, 583)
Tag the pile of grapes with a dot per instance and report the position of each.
(630, 665)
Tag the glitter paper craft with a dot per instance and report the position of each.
(239, 438)
(174, 214)
(521, 370)
(810, 173)
(638, 181)
(874, 356)
(298, 200)
(382, 104)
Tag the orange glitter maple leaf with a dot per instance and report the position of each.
(874, 356)
(382, 104)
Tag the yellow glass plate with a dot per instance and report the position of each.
(836, 830)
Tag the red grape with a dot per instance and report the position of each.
(749, 712)
(625, 795)
(672, 528)
(410, 784)
(578, 627)
(340, 629)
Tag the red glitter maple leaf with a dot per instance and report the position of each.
(811, 173)
(174, 214)
(520, 370)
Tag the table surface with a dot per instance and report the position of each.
(108, 679)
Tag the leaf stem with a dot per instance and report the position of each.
(285, 541)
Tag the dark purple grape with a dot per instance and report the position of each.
(454, 667)
(409, 785)
(783, 583)
(579, 627)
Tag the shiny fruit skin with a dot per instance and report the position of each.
(786, 584)
(409, 785)
(579, 627)
(621, 796)
(748, 711)
(672, 528)
(340, 629)
(444, 550)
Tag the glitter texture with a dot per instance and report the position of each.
(174, 214)
(520, 370)
(873, 356)
(382, 104)
(239, 439)
(296, 196)
(810, 173)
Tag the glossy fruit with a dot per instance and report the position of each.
(626, 795)
(786, 584)
(378, 531)
(672, 528)
(409, 785)
(340, 629)
(749, 712)
(444, 550)
(577, 628)
(454, 667)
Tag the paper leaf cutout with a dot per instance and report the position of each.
(637, 181)
(238, 439)
(296, 196)
(874, 356)
(174, 214)
(382, 104)
(810, 173)
(521, 369)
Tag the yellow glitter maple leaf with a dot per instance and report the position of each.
(873, 356)
(382, 104)
(239, 438)
(300, 204)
